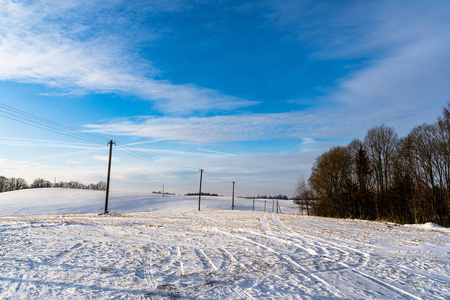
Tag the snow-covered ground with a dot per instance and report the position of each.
(169, 250)
(71, 201)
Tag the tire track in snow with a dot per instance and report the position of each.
(146, 275)
(289, 261)
(351, 268)
(237, 293)
(180, 262)
(62, 256)
(382, 283)
(205, 260)
(229, 261)
(20, 211)
(264, 224)
(362, 257)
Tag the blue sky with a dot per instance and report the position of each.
(250, 91)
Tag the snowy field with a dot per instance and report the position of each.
(54, 245)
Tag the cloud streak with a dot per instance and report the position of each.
(42, 43)
(254, 127)
(398, 57)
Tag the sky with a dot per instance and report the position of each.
(249, 91)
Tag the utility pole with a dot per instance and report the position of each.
(110, 143)
(232, 198)
(163, 190)
(253, 204)
(200, 189)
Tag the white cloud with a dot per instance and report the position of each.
(74, 162)
(106, 158)
(255, 127)
(18, 164)
(414, 82)
(398, 55)
(44, 42)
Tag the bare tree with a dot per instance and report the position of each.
(381, 143)
(15, 184)
(3, 183)
(305, 197)
(331, 180)
(41, 183)
(404, 180)
(101, 186)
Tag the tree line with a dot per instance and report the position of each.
(14, 184)
(384, 177)
(203, 194)
(279, 197)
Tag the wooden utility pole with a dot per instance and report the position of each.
(163, 190)
(110, 143)
(253, 204)
(232, 198)
(200, 189)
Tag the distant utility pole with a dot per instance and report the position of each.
(163, 190)
(200, 189)
(253, 204)
(232, 198)
(110, 143)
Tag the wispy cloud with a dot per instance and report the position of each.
(70, 47)
(310, 127)
(74, 162)
(16, 164)
(398, 55)
(106, 158)
(215, 152)
(251, 127)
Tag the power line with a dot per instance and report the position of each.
(215, 177)
(153, 157)
(137, 153)
(242, 190)
(20, 112)
(23, 117)
(41, 123)
(44, 124)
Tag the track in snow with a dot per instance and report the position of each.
(208, 255)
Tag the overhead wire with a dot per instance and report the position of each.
(20, 116)
(137, 153)
(41, 123)
(208, 173)
(20, 112)
(23, 117)
(238, 187)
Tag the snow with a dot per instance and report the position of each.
(72, 201)
(433, 226)
(54, 245)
